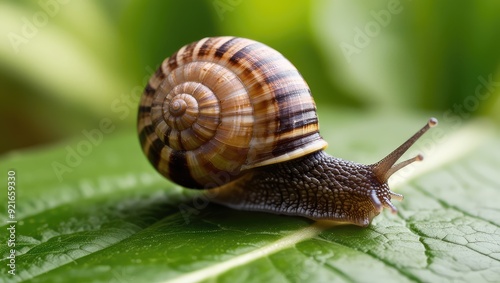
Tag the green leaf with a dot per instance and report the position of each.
(110, 218)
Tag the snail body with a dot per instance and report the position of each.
(234, 116)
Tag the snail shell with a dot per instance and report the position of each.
(223, 105)
(234, 116)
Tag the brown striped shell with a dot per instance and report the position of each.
(223, 105)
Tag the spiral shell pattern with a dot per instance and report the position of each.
(223, 105)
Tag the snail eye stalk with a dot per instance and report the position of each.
(385, 167)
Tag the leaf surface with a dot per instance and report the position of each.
(111, 218)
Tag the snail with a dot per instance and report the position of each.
(233, 116)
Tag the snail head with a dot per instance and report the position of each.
(383, 169)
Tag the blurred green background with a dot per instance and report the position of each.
(66, 65)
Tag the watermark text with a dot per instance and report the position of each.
(11, 222)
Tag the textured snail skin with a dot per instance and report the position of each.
(316, 186)
(234, 117)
